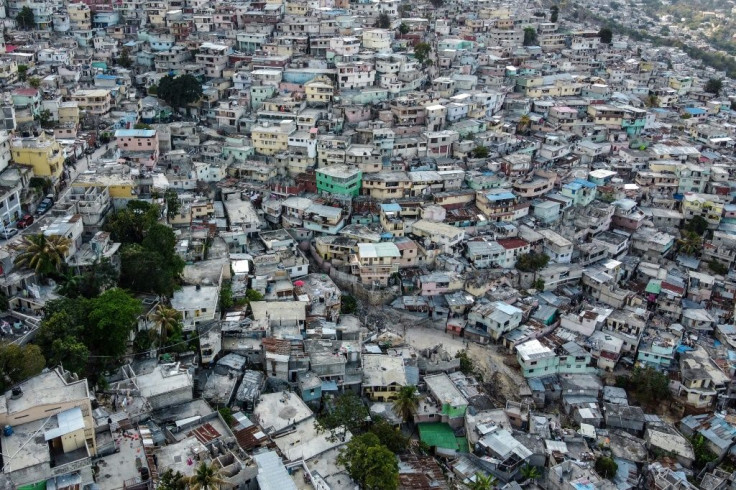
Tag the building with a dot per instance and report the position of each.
(53, 433)
(339, 179)
(383, 376)
(42, 153)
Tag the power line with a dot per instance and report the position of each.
(157, 349)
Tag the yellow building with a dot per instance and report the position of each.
(707, 206)
(116, 178)
(383, 376)
(69, 113)
(42, 153)
(272, 139)
(56, 409)
(80, 16)
(319, 91)
(97, 102)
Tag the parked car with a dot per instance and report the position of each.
(9, 233)
(25, 221)
(45, 205)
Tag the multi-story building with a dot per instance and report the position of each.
(53, 431)
(375, 263)
(96, 102)
(271, 139)
(43, 154)
(339, 179)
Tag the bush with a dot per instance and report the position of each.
(606, 467)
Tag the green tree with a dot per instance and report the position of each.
(131, 224)
(148, 270)
(713, 86)
(18, 363)
(112, 317)
(554, 13)
(26, 19)
(717, 268)
(70, 353)
(648, 384)
(530, 472)
(207, 477)
(179, 91)
(406, 403)
(480, 152)
(171, 481)
(383, 21)
(480, 481)
(45, 117)
(124, 59)
(226, 296)
(371, 465)
(390, 436)
(169, 323)
(606, 467)
(530, 36)
(690, 243)
(437, 3)
(142, 126)
(525, 122)
(253, 295)
(467, 366)
(703, 455)
(532, 262)
(344, 412)
(348, 304)
(23, 71)
(404, 29)
(173, 203)
(421, 52)
(606, 35)
(652, 101)
(697, 225)
(34, 82)
(44, 254)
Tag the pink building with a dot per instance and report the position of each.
(138, 145)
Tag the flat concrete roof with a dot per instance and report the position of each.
(276, 411)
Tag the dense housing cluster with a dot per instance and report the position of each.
(369, 244)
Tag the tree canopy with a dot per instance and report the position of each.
(372, 465)
(179, 91)
(713, 86)
(18, 363)
(554, 13)
(26, 19)
(697, 225)
(44, 254)
(606, 35)
(75, 329)
(344, 412)
(421, 52)
(606, 467)
(530, 36)
(532, 262)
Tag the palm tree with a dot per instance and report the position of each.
(482, 482)
(690, 243)
(524, 122)
(530, 472)
(42, 253)
(168, 320)
(207, 477)
(406, 403)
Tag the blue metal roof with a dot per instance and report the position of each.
(135, 133)
(391, 207)
(585, 183)
(501, 196)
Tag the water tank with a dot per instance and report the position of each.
(7, 431)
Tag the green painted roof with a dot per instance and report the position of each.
(654, 286)
(437, 434)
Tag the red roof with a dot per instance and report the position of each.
(25, 91)
(512, 243)
(673, 288)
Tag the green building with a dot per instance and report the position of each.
(339, 179)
